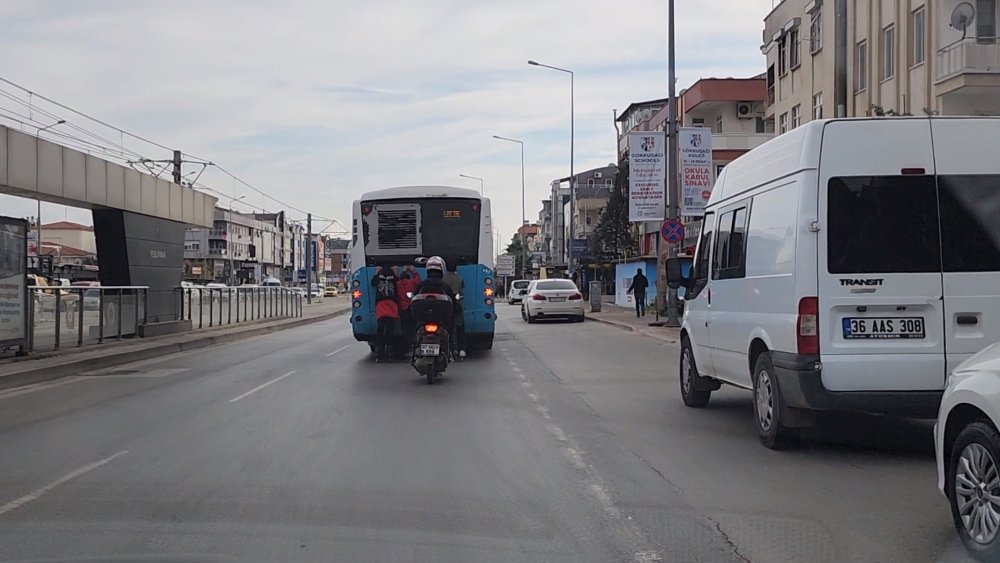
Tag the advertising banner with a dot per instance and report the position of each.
(695, 145)
(13, 281)
(647, 175)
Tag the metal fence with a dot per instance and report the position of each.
(75, 316)
(217, 306)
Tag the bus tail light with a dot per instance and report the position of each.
(807, 326)
(356, 294)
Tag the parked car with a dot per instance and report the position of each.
(967, 447)
(552, 299)
(316, 290)
(331, 291)
(847, 265)
(518, 289)
(271, 282)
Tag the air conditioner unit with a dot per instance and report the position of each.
(598, 174)
(744, 110)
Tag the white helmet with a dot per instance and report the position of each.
(435, 263)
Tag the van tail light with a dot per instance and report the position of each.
(807, 326)
(431, 328)
(575, 297)
(538, 297)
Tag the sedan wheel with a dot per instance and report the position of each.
(974, 489)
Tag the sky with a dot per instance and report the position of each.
(317, 102)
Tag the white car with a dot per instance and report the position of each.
(967, 447)
(848, 265)
(552, 299)
(518, 289)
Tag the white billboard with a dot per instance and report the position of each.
(13, 282)
(695, 145)
(647, 176)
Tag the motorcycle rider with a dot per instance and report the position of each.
(435, 283)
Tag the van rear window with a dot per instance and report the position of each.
(882, 224)
(970, 229)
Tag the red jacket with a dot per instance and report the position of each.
(402, 288)
(386, 308)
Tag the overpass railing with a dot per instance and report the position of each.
(208, 307)
(61, 316)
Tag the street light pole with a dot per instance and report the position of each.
(232, 265)
(572, 142)
(524, 246)
(672, 185)
(482, 189)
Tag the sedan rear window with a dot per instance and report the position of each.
(520, 284)
(555, 284)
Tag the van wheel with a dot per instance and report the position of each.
(767, 406)
(973, 489)
(689, 371)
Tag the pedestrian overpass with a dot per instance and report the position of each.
(139, 219)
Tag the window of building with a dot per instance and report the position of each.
(861, 66)
(986, 21)
(718, 124)
(818, 106)
(761, 125)
(918, 35)
(816, 32)
(888, 52)
(698, 122)
(783, 56)
(793, 49)
(796, 116)
(783, 123)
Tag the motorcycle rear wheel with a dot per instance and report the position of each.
(431, 372)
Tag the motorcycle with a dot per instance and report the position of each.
(432, 315)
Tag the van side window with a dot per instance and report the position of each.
(882, 224)
(730, 246)
(970, 231)
(701, 264)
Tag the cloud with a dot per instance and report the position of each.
(316, 102)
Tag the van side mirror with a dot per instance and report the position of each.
(675, 276)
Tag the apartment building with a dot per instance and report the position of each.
(902, 56)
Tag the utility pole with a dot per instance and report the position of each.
(673, 189)
(309, 250)
(840, 58)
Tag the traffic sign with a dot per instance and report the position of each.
(672, 231)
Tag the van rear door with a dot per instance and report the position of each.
(879, 268)
(969, 192)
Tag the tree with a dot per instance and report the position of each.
(879, 111)
(614, 234)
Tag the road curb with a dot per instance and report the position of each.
(50, 373)
(622, 326)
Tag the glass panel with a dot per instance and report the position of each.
(882, 224)
(970, 232)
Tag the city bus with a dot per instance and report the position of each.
(399, 226)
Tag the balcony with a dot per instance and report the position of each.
(968, 56)
(739, 141)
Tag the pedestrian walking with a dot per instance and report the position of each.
(638, 291)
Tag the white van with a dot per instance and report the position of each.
(849, 265)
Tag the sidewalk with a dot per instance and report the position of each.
(15, 372)
(625, 319)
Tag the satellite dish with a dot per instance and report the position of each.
(962, 16)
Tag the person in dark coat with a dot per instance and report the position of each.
(638, 291)
(386, 309)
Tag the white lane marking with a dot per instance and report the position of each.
(18, 391)
(533, 397)
(33, 495)
(261, 386)
(341, 349)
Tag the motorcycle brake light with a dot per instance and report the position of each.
(431, 327)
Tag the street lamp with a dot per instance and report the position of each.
(232, 265)
(481, 182)
(524, 247)
(572, 141)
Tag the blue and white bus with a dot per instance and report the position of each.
(395, 226)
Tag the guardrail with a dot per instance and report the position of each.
(218, 306)
(57, 313)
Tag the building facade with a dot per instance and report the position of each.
(902, 57)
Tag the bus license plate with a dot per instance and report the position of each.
(430, 349)
(856, 328)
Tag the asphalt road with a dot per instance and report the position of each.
(567, 442)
